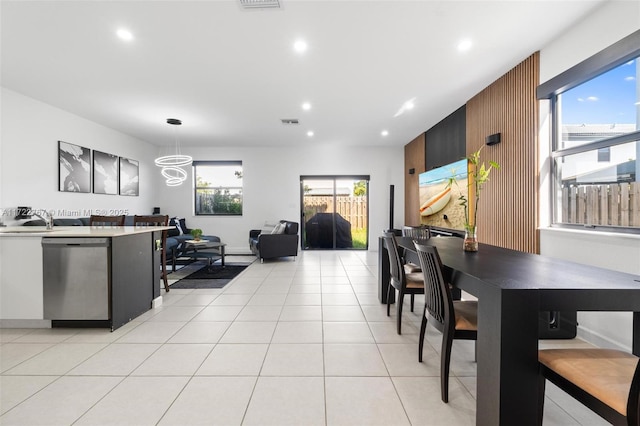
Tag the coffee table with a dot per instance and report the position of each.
(200, 245)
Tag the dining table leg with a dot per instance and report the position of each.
(507, 371)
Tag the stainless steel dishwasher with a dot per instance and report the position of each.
(76, 278)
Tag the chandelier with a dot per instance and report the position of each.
(172, 164)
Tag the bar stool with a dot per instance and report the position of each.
(96, 220)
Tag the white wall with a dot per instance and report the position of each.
(29, 159)
(271, 179)
(29, 173)
(611, 22)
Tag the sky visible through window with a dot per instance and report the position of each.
(220, 175)
(610, 98)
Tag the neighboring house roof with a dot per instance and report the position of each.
(623, 172)
(595, 131)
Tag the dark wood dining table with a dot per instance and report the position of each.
(512, 287)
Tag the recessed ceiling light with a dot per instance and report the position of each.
(300, 46)
(384, 133)
(306, 106)
(310, 133)
(465, 45)
(124, 34)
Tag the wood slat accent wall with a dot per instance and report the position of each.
(413, 159)
(508, 208)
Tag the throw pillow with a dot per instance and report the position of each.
(410, 268)
(278, 229)
(183, 226)
(283, 228)
(175, 221)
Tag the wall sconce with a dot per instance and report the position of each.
(493, 139)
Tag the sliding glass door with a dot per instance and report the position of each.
(335, 212)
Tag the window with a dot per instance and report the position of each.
(335, 212)
(604, 155)
(218, 187)
(596, 142)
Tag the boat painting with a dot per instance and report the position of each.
(436, 203)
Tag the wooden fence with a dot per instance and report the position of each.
(353, 209)
(607, 204)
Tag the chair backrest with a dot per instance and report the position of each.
(437, 295)
(150, 220)
(154, 220)
(417, 232)
(396, 271)
(96, 220)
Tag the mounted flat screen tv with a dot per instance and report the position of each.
(439, 204)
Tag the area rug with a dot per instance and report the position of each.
(211, 276)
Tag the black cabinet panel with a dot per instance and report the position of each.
(446, 141)
(132, 285)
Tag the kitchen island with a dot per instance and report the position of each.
(129, 264)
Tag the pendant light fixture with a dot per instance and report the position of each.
(172, 164)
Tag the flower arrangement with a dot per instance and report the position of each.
(478, 175)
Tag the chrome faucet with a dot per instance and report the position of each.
(48, 219)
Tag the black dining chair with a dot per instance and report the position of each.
(606, 381)
(405, 282)
(421, 232)
(157, 221)
(455, 319)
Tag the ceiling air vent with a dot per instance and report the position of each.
(260, 4)
(290, 121)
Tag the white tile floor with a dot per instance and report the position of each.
(299, 343)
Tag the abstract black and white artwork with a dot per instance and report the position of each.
(74, 170)
(105, 173)
(129, 170)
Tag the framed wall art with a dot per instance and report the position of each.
(440, 202)
(129, 177)
(74, 168)
(105, 173)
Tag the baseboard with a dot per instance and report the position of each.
(156, 302)
(25, 323)
(236, 251)
(599, 340)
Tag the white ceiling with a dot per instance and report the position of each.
(231, 74)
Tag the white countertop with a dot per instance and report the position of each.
(77, 231)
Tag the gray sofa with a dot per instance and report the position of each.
(176, 238)
(281, 242)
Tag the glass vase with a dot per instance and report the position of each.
(470, 240)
